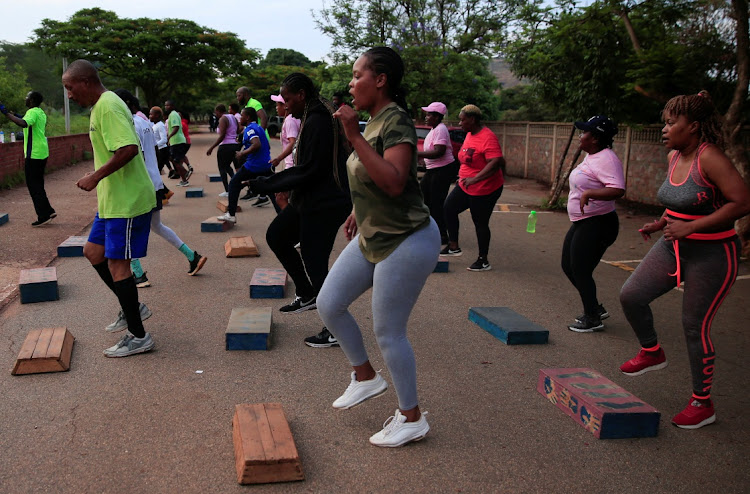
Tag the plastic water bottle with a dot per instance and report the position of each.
(531, 225)
(12, 137)
(2, 137)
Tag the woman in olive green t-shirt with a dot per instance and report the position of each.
(396, 248)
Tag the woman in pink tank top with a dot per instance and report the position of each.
(228, 146)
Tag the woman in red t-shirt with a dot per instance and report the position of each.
(480, 183)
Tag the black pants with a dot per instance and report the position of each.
(316, 233)
(584, 246)
(224, 159)
(235, 187)
(481, 208)
(162, 158)
(435, 184)
(34, 170)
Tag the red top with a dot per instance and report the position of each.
(476, 151)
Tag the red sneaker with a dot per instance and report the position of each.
(644, 362)
(695, 415)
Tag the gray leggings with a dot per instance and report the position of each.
(709, 269)
(396, 283)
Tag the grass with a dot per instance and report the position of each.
(559, 205)
(79, 124)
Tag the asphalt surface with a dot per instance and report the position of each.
(152, 423)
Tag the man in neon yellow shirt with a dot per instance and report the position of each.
(35, 152)
(125, 198)
(177, 143)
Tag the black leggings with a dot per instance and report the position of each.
(235, 187)
(481, 208)
(316, 233)
(224, 159)
(583, 248)
(435, 184)
(34, 170)
(162, 158)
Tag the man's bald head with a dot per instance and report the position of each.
(82, 82)
(82, 70)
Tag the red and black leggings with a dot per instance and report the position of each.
(709, 269)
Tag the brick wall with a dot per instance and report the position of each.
(63, 151)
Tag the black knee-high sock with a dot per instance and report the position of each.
(127, 294)
(103, 269)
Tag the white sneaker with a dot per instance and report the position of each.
(227, 217)
(397, 431)
(224, 194)
(121, 323)
(359, 391)
(130, 345)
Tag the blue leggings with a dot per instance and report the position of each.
(396, 283)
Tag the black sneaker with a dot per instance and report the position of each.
(588, 324)
(197, 263)
(480, 265)
(261, 201)
(141, 281)
(42, 221)
(299, 305)
(173, 174)
(53, 215)
(603, 314)
(324, 339)
(250, 195)
(447, 251)
(189, 172)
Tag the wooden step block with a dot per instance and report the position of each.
(241, 247)
(264, 448)
(213, 224)
(508, 326)
(194, 192)
(4, 218)
(602, 407)
(268, 283)
(45, 350)
(72, 247)
(213, 177)
(442, 265)
(223, 206)
(38, 285)
(249, 329)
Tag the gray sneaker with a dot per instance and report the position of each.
(130, 345)
(121, 324)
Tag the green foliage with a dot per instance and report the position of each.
(42, 71)
(162, 57)
(79, 124)
(560, 204)
(284, 56)
(13, 90)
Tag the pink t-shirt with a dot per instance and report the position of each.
(437, 136)
(603, 169)
(290, 129)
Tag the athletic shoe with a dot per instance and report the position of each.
(324, 339)
(644, 362)
(164, 202)
(53, 215)
(189, 172)
(603, 314)
(298, 245)
(121, 323)
(480, 265)
(227, 217)
(130, 345)
(224, 194)
(695, 415)
(447, 251)
(397, 431)
(142, 281)
(197, 263)
(42, 221)
(299, 305)
(261, 201)
(173, 174)
(183, 183)
(248, 196)
(168, 195)
(359, 391)
(587, 324)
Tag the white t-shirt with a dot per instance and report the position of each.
(148, 147)
(596, 171)
(290, 129)
(437, 136)
(160, 134)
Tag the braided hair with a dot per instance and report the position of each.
(384, 60)
(297, 82)
(698, 108)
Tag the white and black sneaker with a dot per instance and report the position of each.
(603, 314)
(447, 251)
(587, 324)
(324, 339)
(480, 265)
(299, 305)
(261, 201)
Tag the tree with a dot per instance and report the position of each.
(284, 56)
(39, 68)
(13, 90)
(159, 56)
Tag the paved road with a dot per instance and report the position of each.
(150, 423)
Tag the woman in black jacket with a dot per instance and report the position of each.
(318, 201)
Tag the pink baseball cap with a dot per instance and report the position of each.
(277, 99)
(436, 107)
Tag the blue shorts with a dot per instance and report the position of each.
(122, 238)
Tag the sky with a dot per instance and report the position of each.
(264, 24)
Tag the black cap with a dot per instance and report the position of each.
(601, 125)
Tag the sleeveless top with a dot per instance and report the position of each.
(230, 135)
(695, 196)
